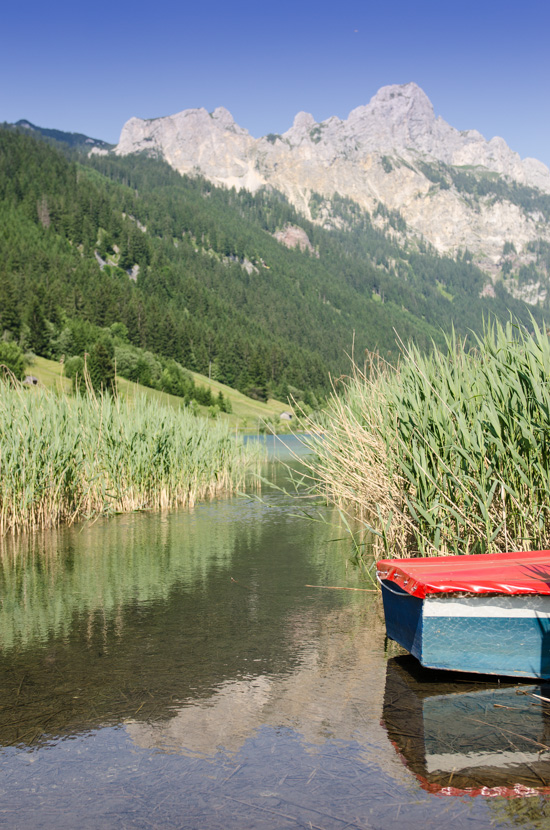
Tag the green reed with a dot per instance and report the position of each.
(449, 453)
(62, 459)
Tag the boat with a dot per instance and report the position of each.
(485, 613)
(468, 735)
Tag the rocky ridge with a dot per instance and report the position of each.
(393, 151)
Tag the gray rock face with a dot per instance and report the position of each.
(195, 141)
(294, 237)
(375, 155)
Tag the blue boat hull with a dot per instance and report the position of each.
(502, 635)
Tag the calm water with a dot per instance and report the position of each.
(174, 671)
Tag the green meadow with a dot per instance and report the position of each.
(246, 415)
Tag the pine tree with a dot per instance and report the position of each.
(38, 336)
(101, 367)
(10, 319)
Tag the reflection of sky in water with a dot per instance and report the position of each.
(285, 447)
(275, 780)
(303, 749)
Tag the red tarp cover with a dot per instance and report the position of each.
(491, 573)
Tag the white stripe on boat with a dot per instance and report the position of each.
(455, 762)
(526, 606)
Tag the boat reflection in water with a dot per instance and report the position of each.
(464, 734)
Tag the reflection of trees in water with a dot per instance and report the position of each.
(47, 577)
(126, 618)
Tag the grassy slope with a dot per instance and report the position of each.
(245, 415)
(49, 374)
(243, 407)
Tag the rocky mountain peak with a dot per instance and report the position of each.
(301, 130)
(396, 118)
(223, 117)
(303, 121)
(396, 103)
(393, 150)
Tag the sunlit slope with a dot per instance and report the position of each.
(246, 412)
(49, 374)
(242, 406)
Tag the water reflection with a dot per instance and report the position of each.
(466, 734)
(330, 693)
(173, 670)
(135, 617)
(46, 578)
(285, 448)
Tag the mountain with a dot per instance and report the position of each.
(123, 255)
(453, 189)
(78, 141)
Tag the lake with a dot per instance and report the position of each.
(174, 670)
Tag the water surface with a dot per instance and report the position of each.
(174, 671)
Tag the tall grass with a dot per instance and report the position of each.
(63, 458)
(449, 453)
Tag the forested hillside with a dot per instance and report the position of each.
(169, 271)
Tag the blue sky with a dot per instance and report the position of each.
(89, 67)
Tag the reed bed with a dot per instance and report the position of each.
(448, 453)
(63, 459)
